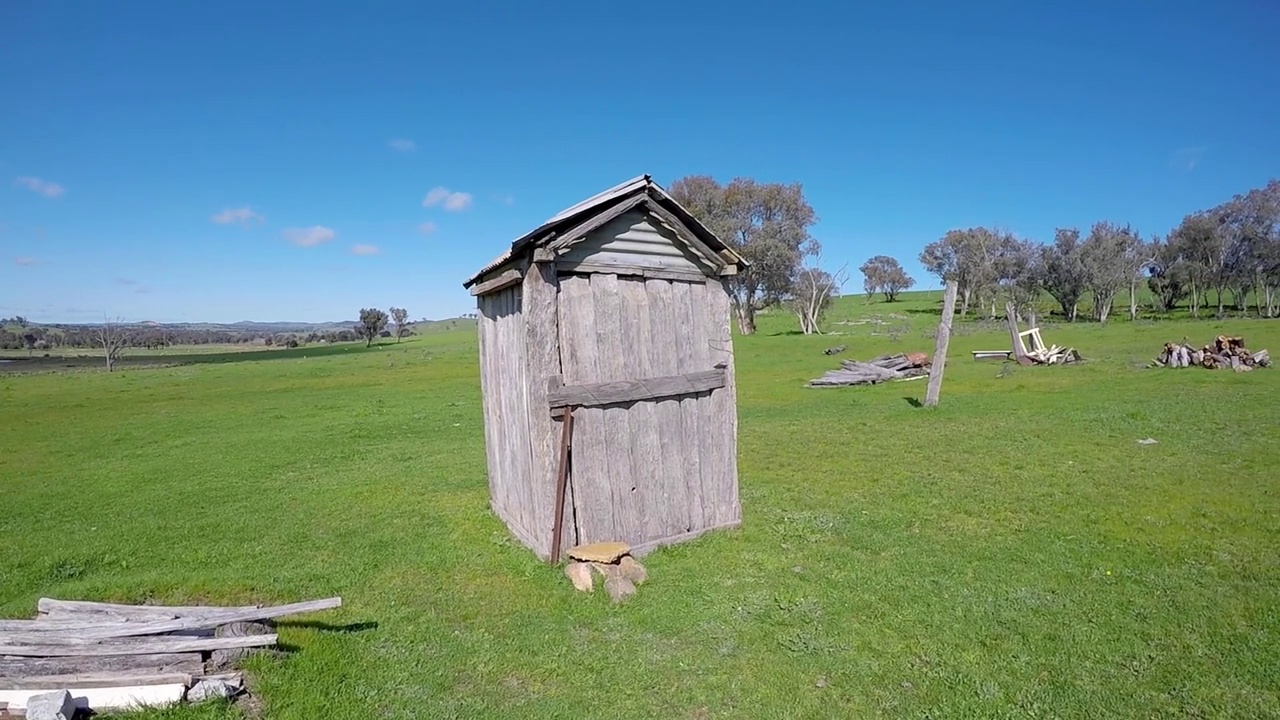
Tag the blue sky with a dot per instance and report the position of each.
(316, 132)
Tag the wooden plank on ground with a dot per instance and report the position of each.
(66, 608)
(195, 622)
(136, 645)
(18, 667)
(71, 682)
(108, 698)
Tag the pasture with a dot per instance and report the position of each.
(1012, 553)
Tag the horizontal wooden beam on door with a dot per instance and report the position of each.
(629, 391)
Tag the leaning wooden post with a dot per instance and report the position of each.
(940, 346)
(562, 479)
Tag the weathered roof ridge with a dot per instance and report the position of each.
(606, 198)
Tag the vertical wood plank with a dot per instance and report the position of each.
(488, 395)
(516, 375)
(611, 344)
(691, 346)
(723, 436)
(591, 483)
(664, 360)
(500, 360)
(940, 346)
(542, 360)
(645, 473)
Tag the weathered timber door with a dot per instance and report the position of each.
(656, 468)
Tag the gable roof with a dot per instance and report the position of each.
(640, 189)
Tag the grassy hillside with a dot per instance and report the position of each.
(1012, 553)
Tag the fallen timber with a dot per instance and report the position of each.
(877, 370)
(105, 656)
(1224, 353)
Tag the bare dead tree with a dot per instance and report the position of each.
(114, 338)
(813, 291)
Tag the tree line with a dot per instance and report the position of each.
(1226, 256)
(1228, 251)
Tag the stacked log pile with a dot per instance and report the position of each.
(103, 656)
(1223, 353)
(875, 371)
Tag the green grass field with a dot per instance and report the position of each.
(1012, 553)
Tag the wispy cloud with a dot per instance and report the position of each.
(447, 199)
(142, 291)
(427, 228)
(1187, 158)
(241, 215)
(508, 201)
(364, 249)
(25, 261)
(308, 236)
(126, 281)
(402, 145)
(44, 187)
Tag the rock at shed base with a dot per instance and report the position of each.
(632, 570)
(619, 588)
(580, 575)
(208, 689)
(56, 705)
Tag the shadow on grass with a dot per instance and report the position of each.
(914, 402)
(329, 627)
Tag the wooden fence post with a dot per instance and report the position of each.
(940, 346)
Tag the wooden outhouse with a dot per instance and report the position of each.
(617, 311)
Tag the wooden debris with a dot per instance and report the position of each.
(1028, 346)
(1223, 353)
(834, 350)
(115, 657)
(878, 370)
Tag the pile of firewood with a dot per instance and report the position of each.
(1223, 353)
(91, 656)
(875, 371)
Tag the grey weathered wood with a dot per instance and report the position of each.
(691, 349)
(191, 622)
(687, 235)
(644, 471)
(542, 359)
(68, 609)
(941, 341)
(629, 391)
(594, 222)
(485, 327)
(24, 667)
(619, 432)
(722, 419)
(502, 281)
(649, 273)
(593, 505)
(645, 548)
(673, 518)
(135, 645)
(104, 679)
(514, 374)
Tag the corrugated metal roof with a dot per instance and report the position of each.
(640, 183)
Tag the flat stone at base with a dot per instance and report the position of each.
(56, 705)
(604, 552)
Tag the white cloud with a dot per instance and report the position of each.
(25, 261)
(447, 199)
(402, 145)
(45, 188)
(364, 249)
(309, 236)
(427, 228)
(243, 216)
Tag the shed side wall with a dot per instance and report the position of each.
(503, 363)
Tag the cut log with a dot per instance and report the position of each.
(145, 664)
(135, 645)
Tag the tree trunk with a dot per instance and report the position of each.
(964, 301)
(1075, 310)
(1195, 300)
(1133, 301)
(746, 318)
